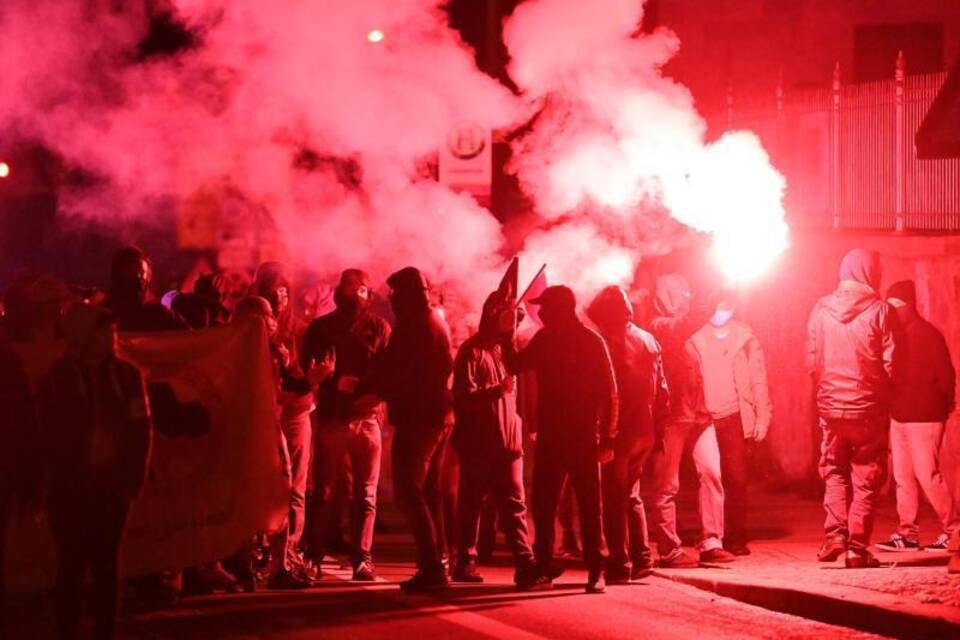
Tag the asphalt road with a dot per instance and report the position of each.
(651, 609)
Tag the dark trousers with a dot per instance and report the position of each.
(853, 465)
(88, 530)
(417, 462)
(503, 478)
(733, 470)
(360, 441)
(624, 518)
(554, 463)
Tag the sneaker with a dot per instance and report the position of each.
(424, 582)
(641, 569)
(717, 554)
(553, 571)
(529, 578)
(942, 543)
(364, 572)
(678, 559)
(860, 559)
(897, 542)
(596, 583)
(286, 581)
(738, 548)
(467, 571)
(832, 548)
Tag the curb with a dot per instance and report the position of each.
(884, 615)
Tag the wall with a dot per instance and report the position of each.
(748, 43)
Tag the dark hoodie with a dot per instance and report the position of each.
(680, 317)
(487, 424)
(850, 343)
(638, 364)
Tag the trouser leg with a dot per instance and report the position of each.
(472, 489)
(417, 453)
(507, 488)
(332, 444)
(365, 452)
(925, 453)
(585, 476)
(549, 475)
(69, 520)
(868, 473)
(667, 485)
(733, 468)
(908, 494)
(299, 435)
(616, 491)
(108, 523)
(835, 470)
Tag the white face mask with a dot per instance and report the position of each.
(721, 317)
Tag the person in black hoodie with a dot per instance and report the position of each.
(349, 414)
(644, 408)
(489, 441)
(131, 278)
(414, 377)
(850, 352)
(924, 383)
(576, 428)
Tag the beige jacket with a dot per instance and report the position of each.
(750, 377)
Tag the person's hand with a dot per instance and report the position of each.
(760, 432)
(284, 354)
(320, 371)
(509, 385)
(605, 455)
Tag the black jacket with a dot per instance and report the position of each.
(358, 340)
(487, 423)
(577, 389)
(924, 379)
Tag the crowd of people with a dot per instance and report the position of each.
(609, 399)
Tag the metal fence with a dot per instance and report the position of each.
(848, 153)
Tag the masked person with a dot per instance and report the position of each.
(850, 350)
(95, 431)
(413, 377)
(735, 391)
(488, 437)
(924, 384)
(349, 415)
(131, 278)
(577, 424)
(643, 411)
(689, 428)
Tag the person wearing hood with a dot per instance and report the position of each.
(413, 376)
(576, 427)
(488, 438)
(349, 416)
(850, 351)
(643, 412)
(735, 391)
(689, 427)
(131, 279)
(95, 432)
(924, 384)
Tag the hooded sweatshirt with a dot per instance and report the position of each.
(673, 328)
(487, 424)
(850, 343)
(924, 379)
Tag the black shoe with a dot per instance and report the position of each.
(467, 571)
(641, 569)
(364, 572)
(860, 559)
(620, 575)
(423, 582)
(737, 548)
(832, 548)
(717, 554)
(552, 571)
(287, 581)
(897, 542)
(596, 583)
(529, 578)
(942, 543)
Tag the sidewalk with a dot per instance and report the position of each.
(912, 597)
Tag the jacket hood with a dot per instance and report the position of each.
(863, 266)
(673, 295)
(850, 300)
(611, 308)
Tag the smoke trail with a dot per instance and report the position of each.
(616, 142)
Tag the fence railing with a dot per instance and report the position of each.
(848, 153)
